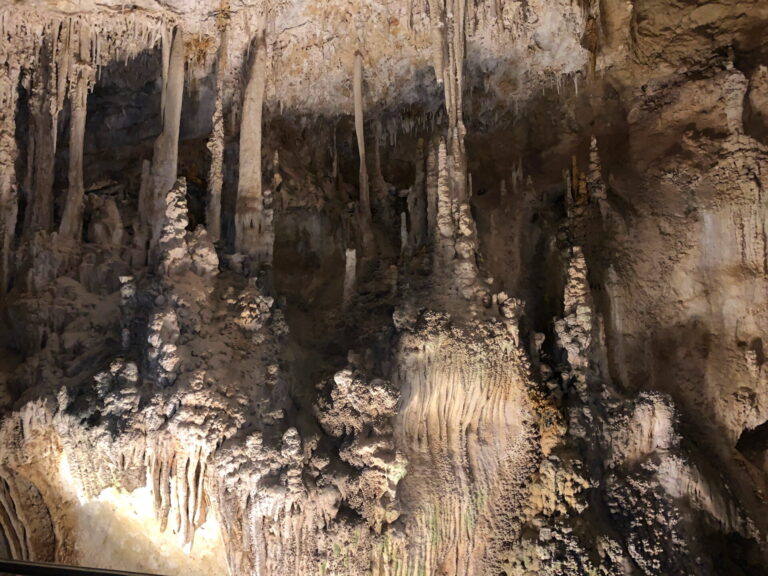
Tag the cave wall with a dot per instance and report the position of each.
(436, 287)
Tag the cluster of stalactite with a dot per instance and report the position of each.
(58, 62)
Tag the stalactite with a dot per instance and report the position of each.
(39, 215)
(167, 48)
(166, 150)
(63, 58)
(252, 222)
(9, 81)
(216, 145)
(417, 204)
(436, 14)
(364, 204)
(379, 185)
(72, 219)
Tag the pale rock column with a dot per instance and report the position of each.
(734, 91)
(253, 218)
(574, 330)
(444, 217)
(166, 151)
(357, 84)
(436, 12)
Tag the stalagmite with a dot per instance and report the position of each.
(252, 223)
(72, 219)
(574, 330)
(595, 178)
(9, 80)
(576, 199)
(444, 217)
(216, 145)
(595, 183)
(166, 150)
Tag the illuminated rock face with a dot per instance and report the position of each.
(392, 288)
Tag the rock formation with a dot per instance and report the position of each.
(395, 288)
